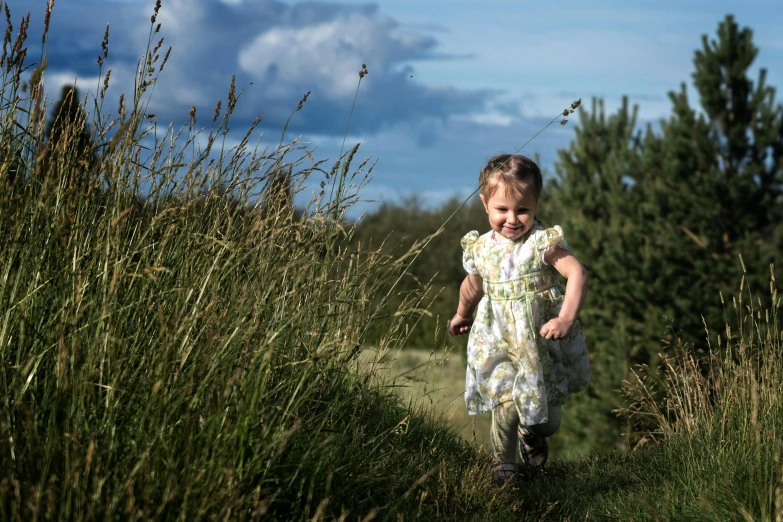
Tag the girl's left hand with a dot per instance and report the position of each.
(556, 328)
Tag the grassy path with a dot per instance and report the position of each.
(432, 380)
(671, 481)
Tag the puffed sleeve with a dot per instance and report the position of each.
(468, 261)
(549, 238)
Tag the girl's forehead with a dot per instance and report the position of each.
(516, 193)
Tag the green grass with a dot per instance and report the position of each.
(193, 351)
(721, 471)
(431, 382)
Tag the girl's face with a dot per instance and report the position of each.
(510, 215)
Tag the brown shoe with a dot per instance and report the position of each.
(505, 474)
(533, 449)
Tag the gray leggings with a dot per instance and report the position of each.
(503, 433)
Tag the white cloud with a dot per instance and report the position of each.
(277, 51)
(491, 119)
(54, 81)
(328, 54)
(322, 55)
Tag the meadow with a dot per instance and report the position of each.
(178, 343)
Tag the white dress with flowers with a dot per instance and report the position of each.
(507, 358)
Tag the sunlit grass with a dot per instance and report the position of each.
(432, 382)
(722, 405)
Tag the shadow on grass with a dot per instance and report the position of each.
(609, 485)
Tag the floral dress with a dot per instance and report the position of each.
(507, 358)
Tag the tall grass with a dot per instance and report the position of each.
(177, 343)
(723, 409)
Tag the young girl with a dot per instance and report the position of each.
(526, 352)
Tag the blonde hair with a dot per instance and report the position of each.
(511, 171)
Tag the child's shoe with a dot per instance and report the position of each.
(505, 474)
(533, 449)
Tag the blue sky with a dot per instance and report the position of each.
(450, 83)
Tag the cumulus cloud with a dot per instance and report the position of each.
(277, 51)
(328, 54)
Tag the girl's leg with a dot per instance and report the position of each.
(533, 446)
(503, 438)
(503, 433)
(546, 429)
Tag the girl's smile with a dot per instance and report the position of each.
(511, 212)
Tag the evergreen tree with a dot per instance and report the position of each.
(69, 148)
(747, 128)
(716, 179)
(593, 195)
(279, 192)
(10, 159)
(659, 222)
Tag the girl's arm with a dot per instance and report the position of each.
(470, 293)
(576, 290)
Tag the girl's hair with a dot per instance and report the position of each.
(511, 171)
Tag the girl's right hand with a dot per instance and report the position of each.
(460, 325)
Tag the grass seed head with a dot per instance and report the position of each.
(155, 15)
(7, 38)
(35, 77)
(47, 17)
(106, 82)
(301, 102)
(232, 98)
(165, 58)
(18, 52)
(105, 42)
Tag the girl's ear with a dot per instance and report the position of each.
(484, 202)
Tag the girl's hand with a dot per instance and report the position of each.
(556, 328)
(460, 325)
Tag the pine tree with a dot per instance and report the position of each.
(594, 192)
(659, 222)
(278, 193)
(69, 148)
(717, 180)
(746, 126)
